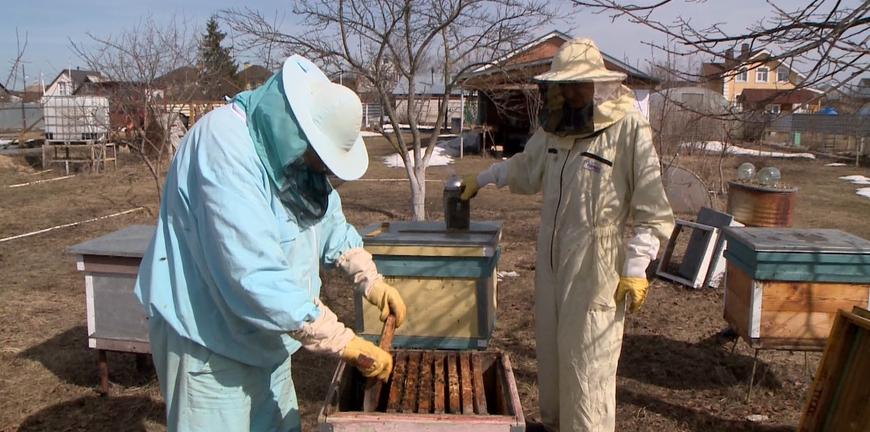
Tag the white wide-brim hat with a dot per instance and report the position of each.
(329, 114)
(579, 60)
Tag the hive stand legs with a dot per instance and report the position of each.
(752, 377)
(103, 368)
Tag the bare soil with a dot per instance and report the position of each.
(674, 374)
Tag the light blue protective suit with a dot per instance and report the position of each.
(230, 271)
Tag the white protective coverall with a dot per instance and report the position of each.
(592, 187)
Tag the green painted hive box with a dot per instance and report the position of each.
(799, 255)
(446, 277)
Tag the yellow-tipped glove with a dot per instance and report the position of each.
(636, 286)
(368, 358)
(387, 299)
(469, 187)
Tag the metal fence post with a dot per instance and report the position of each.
(859, 152)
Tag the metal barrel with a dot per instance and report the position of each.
(760, 206)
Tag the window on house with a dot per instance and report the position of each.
(782, 74)
(761, 74)
(742, 75)
(772, 109)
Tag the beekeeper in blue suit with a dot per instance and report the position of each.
(231, 280)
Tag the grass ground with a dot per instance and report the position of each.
(674, 374)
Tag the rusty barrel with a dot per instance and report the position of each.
(761, 206)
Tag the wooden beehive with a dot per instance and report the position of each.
(785, 286)
(446, 278)
(839, 399)
(116, 320)
(428, 391)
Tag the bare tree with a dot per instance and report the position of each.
(16, 71)
(17, 63)
(143, 103)
(387, 42)
(826, 38)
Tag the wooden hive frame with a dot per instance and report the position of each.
(468, 390)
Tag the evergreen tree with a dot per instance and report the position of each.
(219, 70)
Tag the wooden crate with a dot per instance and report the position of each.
(781, 314)
(429, 391)
(447, 280)
(839, 399)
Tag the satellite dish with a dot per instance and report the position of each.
(686, 191)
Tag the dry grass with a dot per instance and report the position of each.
(673, 374)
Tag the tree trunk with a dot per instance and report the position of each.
(418, 194)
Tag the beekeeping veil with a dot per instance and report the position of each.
(581, 96)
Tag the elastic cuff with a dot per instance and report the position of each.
(636, 267)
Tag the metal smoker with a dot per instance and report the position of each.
(457, 213)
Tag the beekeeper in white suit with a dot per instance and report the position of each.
(594, 160)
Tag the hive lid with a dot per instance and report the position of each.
(128, 242)
(435, 233)
(806, 240)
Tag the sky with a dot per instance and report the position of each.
(50, 25)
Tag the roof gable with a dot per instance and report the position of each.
(78, 77)
(542, 50)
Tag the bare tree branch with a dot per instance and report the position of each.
(387, 42)
(823, 38)
(142, 96)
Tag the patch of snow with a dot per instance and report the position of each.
(757, 418)
(857, 179)
(835, 164)
(471, 142)
(369, 134)
(440, 157)
(718, 146)
(5, 142)
(864, 192)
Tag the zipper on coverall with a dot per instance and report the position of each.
(556, 213)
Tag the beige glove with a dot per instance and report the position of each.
(325, 335)
(637, 287)
(368, 358)
(387, 299)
